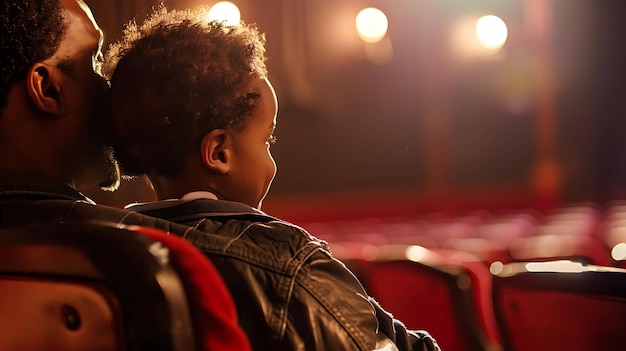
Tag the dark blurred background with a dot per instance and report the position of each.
(417, 123)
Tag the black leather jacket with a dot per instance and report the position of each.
(291, 294)
(30, 199)
(294, 294)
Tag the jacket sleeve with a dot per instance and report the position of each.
(405, 340)
(329, 310)
(290, 293)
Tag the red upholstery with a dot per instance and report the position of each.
(563, 307)
(435, 292)
(55, 314)
(582, 248)
(77, 286)
(488, 251)
(544, 320)
(212, 307)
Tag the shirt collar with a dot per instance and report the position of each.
(195, 195)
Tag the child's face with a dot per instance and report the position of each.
(253, 167)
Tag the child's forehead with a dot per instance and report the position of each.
(265, 112)
(268, 94)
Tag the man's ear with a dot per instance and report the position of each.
(44, 88)
(216, 151)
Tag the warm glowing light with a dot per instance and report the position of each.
(496, 267)
(225, 11)
(466, 44)
(491, 31)
(619, 252)
(415, 253)
(555, 266)
(371, 24)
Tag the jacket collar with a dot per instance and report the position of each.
(20, 184)
(183, 211)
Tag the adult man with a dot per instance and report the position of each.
(53, 132)
(53, 129)
(51, 94)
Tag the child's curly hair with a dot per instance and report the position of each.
(179, 76)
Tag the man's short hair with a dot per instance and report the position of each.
(30, 32)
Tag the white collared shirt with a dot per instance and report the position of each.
(195, 195)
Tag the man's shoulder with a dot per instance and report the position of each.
(16, 184)
(22, 212)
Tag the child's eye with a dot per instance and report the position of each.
(272, 139)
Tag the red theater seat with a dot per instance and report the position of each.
(448, 295)
(547, 306)
(97, 286)
(613, 235)
(488, 251)
(582, 248)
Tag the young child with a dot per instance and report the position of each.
(194, 110)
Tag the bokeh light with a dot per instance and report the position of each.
(225, 11)
(619, 252)
(491, 31)
(496, 267)
(371, 24)
(415, 253)
(565, 266)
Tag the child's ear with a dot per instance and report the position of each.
(215, 151)
(44, 89)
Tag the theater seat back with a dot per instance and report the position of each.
(100, 286)
(560, 306)
(40, 314)
(428, 290)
